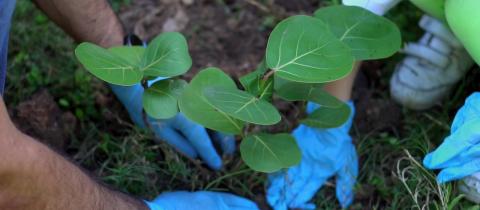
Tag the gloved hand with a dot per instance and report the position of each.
(458, 156)
(325, 153)
(186, 136)
(200, 200)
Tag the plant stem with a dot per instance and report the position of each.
(219, 179)
(268, 74)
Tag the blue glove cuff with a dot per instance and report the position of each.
(153, 206)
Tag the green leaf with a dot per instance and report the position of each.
(302, 49)
(368, 35)
(294, 91)
(107, 66)
(269, 153)
(131, 54)
(167, 56)
(195, 106)
(160, 100)
(328, 117)
(254, 83)
(242, 105)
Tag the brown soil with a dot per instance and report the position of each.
(41, 118)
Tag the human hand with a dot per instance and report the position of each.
(458, 155)
(325, 153)
(186, 136)
(200, 200)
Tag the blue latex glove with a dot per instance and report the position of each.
(459, 154)
(186, 136)
(325, 153)
(200, 200)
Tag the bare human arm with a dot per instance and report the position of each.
(32, 176)
(86, 20)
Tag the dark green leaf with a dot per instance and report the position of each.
(108, 66)
(269, 153)
(242, 105)
(194, 105)
(167, 56)
(302, 49)
(368, 35)
(328, 117)
(294, 91)
(160, 100)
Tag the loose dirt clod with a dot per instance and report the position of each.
(41, 118)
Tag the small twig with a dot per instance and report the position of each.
(258, 5)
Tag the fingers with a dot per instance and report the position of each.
(468, 112)
(294, 188)
(455, 144)
(173, 138)
(304, 191)
(199, 139)
(455, 173)
(235, 202)
(346, 179)
(226, 142)
(277, 183)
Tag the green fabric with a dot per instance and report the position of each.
(435, 8)
(462, 16)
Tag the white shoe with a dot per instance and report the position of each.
(379, 7)
(470, 186)
(431, 68)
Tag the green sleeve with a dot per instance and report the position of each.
(462, 17)
(435, 8)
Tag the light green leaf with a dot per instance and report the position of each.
(294, 91)
(302, 49)
(242, 105)
(269, 153)
(107, 66)
(368, 35)
(194, 105)
(160, 100)
(131, 54)
(167, 56)
(328, 117)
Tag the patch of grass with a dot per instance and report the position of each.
(106, 143)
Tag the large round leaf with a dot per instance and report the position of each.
(269, 153)
(242, 105)
(302, 49)
(131, 54)
(368, 35)
(107, 66)
(195, 106)
(167, 56)
(160, 100)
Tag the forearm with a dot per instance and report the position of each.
(86, 20)
(342, 89)
(34, 177)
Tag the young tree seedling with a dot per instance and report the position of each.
(303, 52)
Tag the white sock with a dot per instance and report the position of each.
(379, 7)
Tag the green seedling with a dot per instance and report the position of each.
(303, 52)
